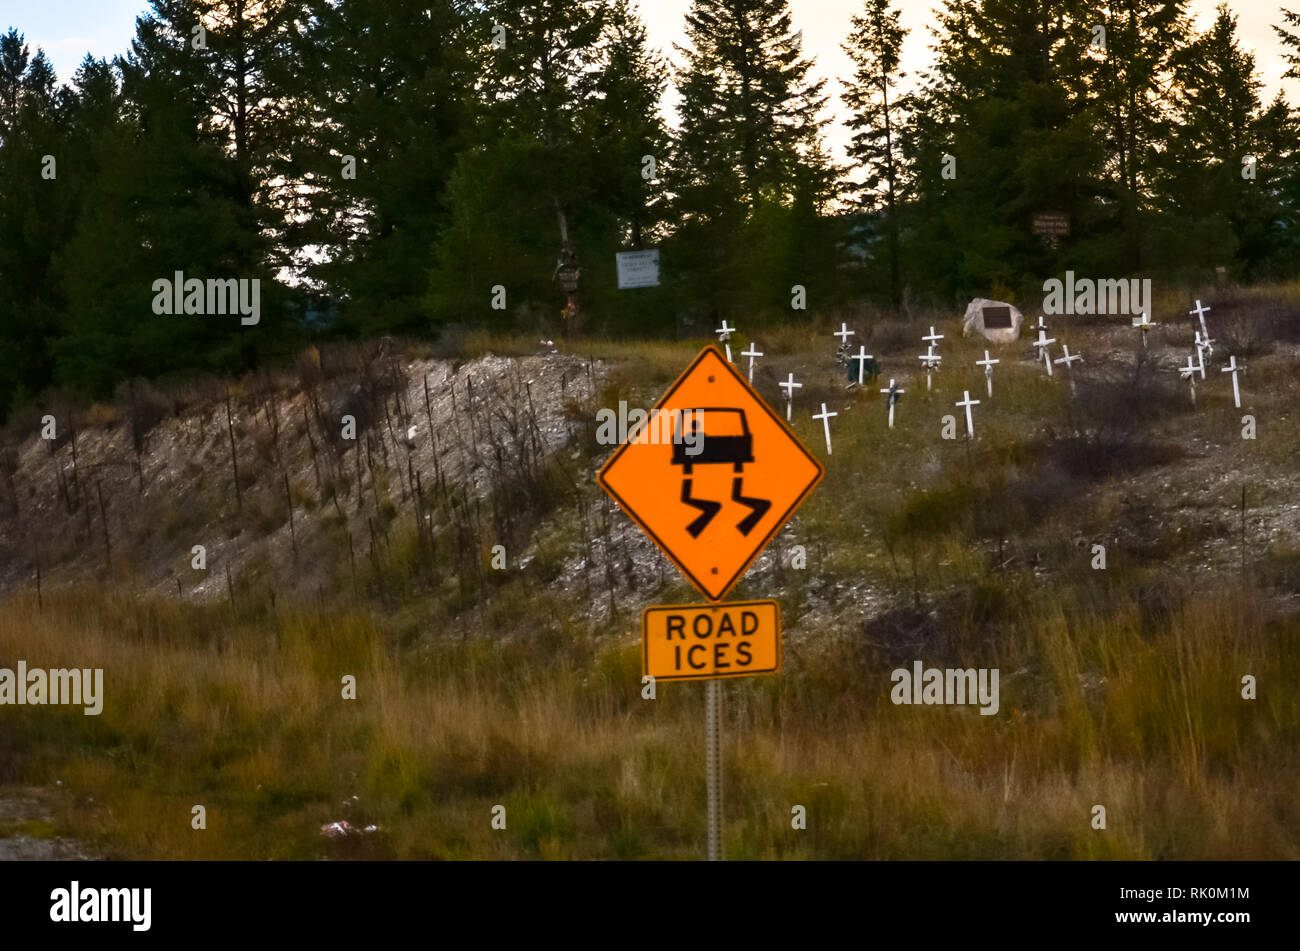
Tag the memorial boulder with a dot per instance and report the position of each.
(996, 321)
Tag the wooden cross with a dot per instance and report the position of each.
(1143, 325)
(930, 361)
(789, 385)
(933, 338)
(1201, 350)
(844, 333)
(1068, 360)
(724, 334)
(967, 402)
(1200, 311)
(862, 357)
(1189, 374)
(825, 417)
(987, 364)
(752, 352)
(1042, 343)
(1233, 368)
(893, 392)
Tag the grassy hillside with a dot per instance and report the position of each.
(521, 687)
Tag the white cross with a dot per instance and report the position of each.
(862, 357)
(1189, 374)
(789, 385)
(933, 338)
(1143, 326)
(752, 352)
(893, 392)
(967, 402)
(844, 333)
(1068, 360)
(724, 334)
(1042, 343)
(1200, 312)
(1201, 350)
(987, 364)
(1040, 325)
(825, 417)
(930, 361)
(1233, 368)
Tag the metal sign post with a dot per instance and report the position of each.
(742, 473)
(713, 764)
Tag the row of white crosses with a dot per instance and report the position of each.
(1042, 344)
(724, 337)
(1204, 346)
(930, 360)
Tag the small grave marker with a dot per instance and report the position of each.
(967, 403)
(1233, 369)
(789, 385)
(1068, 360)
(930, 362)
(752, 352)
(1189, 374)
(862, 357)
(987, 364)
(1042, 343)
(894, 392)
(724, 334)
(825, 417)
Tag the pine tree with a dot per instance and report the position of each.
(1218, 113)
(1290, 37)
(35, 215)
(750, 136)
(878, 113)
(570, 110)
(1005, 108)
(389, 104)
(1133, 83)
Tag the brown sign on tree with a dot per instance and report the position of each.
(1052, 224)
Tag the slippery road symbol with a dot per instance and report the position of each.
(716, 436)
(693, 524)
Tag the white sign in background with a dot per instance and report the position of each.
(638, 269)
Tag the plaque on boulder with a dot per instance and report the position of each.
(997, 318)
(996, 321)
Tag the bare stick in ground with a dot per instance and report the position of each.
(288, 498)
(306, 424)
(103, 517)
(234, 456)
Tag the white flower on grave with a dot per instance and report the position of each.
(409, 441)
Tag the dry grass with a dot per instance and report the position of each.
(478, 688)
(245, 716)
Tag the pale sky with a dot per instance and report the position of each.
(68, 29)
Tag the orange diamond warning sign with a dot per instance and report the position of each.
(712, 475)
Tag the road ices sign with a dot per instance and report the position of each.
(711, 641)
(712, 475)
